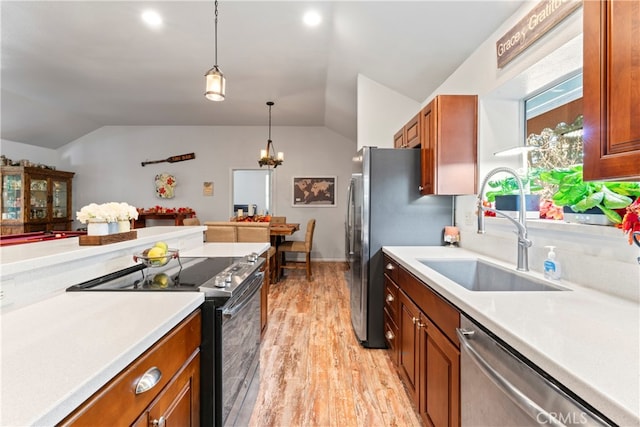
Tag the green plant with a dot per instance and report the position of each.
(508, 185)
(572, 191)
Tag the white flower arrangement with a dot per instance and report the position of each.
(107, 212)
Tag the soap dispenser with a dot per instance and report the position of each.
(551, 265)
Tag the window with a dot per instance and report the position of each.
(553, 120)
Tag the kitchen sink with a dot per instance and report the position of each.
(481, 276)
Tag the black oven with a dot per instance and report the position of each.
(230, 349)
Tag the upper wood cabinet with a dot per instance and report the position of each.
(35, 199)
(611, 90)
(449, 145)
(409, 136)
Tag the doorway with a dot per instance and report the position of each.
(252, 187)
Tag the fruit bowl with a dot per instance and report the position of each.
(157, 261)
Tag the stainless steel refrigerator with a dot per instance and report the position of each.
(385, 208)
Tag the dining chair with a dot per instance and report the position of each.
(279, 219)
(220, 232)
(298, 247)
(259, 232)
(191, 221)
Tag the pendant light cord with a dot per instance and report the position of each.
(215, 38)
(270, 123)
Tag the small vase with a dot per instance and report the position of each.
(95, 228)
(113, 227)
(124, 226)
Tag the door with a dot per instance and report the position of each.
(611, 90)
(439, 378)
(408, 343)
(61, 197)
(12, 203)
(357, 290)
(39, 197)
(428, 150)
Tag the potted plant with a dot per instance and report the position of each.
(593, 197)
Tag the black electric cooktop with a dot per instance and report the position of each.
(215, 276)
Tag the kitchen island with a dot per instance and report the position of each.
(585, 339)
(59, 348)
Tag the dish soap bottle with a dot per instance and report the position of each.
(551, 265)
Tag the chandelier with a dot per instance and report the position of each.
(214, 78)
(268, 157)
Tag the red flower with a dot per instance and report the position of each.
(548, 210)
(631, 220)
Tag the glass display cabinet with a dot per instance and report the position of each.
(35, 199)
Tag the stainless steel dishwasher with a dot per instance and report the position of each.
(500, 388)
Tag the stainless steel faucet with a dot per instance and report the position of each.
(523, 242)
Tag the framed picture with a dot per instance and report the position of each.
(314, 192)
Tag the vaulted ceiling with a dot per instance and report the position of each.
(70, 67)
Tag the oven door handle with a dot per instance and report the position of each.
(245, 297)
(530, 407)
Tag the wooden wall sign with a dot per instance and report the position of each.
(172, 159)
(542, 18)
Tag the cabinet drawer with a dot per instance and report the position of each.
(391, 337)
(443, 314)
(391, 268)
(391, 298)
(117, 402)
(177, 403)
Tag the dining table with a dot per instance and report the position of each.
(281, 230)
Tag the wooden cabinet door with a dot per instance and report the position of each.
(179, 403)
(449, 145)
(611, 90)
(412, 132)
(408, 357)
(439, 396)
(399, 139)
(428, 149)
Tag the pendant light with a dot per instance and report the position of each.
(214, 78)
(268, 157)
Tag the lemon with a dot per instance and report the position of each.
(156, 255)
(162, 245)
(161, 280)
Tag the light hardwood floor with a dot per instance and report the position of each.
(313, 372)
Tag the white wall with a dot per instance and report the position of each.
(107, 165)
(17, 151)
(381, 113)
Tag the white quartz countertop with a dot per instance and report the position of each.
(585, 339)
(58, 352)
(212, 249)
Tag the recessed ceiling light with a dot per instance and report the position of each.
(152, 18)
(312, 18)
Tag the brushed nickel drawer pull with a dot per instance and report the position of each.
(390, 336)
(159, 422)
(148, 380)
(390, 298)
(390, 266)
